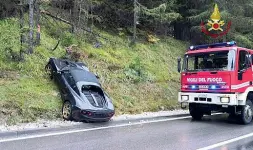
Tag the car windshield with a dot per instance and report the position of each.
(210, 61)
(83, 75)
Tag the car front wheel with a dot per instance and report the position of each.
(67, 111)
(49, 70)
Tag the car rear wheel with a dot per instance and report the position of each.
(246, 114)
(67, 111)
(49, 70)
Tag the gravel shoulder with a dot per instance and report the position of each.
(43, 124)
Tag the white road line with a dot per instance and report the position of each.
(226, 142)
(91, 129)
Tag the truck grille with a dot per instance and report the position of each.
(202, 99)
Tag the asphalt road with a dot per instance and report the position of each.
(182, 134)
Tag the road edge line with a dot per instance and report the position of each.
(89, 129)
(226, 142)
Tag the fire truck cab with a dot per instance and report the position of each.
(217, 77)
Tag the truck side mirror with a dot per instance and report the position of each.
(240, 74)
(179, 64)
(251, 59)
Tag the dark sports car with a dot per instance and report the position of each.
(82, 94)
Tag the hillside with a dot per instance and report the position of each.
(138, 78)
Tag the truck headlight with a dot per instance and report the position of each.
(224, 99)
(185, 97)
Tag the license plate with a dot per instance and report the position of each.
(203, 86)
(203, 95)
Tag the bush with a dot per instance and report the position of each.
(137, 73)
(68, 39)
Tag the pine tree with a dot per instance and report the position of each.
(239, 12)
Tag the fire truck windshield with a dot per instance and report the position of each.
(210, 61)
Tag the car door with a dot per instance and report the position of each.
(71, 81)
(62, 82)
(57, 74)
(68, 79)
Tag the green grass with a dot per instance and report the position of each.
(138, 78)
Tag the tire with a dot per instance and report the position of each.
(67, 111)
(195, 112)
(246, 114)
(49, 70)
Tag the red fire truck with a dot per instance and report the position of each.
(217, 77)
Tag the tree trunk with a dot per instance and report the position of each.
(31, 27)
(80, 13)
(135, 20)
(37, 10)
(86, 17)
(74, 15)
(21, 20)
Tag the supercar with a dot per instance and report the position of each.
(81, 92)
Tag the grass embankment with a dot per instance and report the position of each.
(140, 78)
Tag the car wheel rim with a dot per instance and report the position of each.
(66, 110)
(48, 70)
(248, 112)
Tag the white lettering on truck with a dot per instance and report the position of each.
(192, 80)
(214, 79)
(204, 79)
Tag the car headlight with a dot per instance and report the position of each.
(185, 97)
(224, 99)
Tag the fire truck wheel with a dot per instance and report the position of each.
(195, 112)
(246, 115)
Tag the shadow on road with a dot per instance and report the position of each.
(222, 119)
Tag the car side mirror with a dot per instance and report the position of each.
(97, 75)
(179, 64)
(62, 71)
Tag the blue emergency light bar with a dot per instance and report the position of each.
(197, 47)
